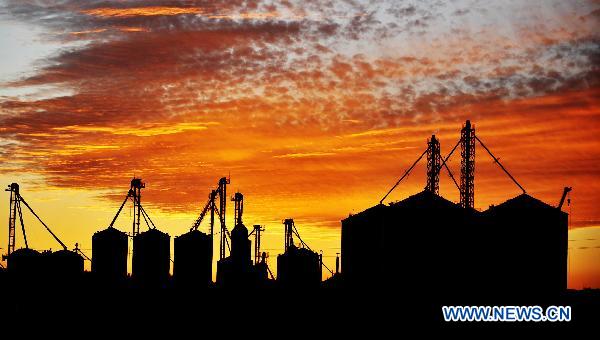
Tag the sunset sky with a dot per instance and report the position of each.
(315, 109)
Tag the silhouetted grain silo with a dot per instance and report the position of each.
(63, 269)
(428, 243)
(299, 267)
(65, 263)
(109, 256)
(25, 267)
(24, 262)
(192, 266)
(359, 247)
(151, 259)
(418, 243)
(529, 246)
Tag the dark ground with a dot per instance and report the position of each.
(322, 311)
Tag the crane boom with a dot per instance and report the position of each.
(209, 204)
(564, 195)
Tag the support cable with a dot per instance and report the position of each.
(22, 224)
(300, 238)
(324, 265)
(497, 161)
(42, 222)
(452, 176)
(145, 214)
(119, 211)
(403, 176)
(444, 164)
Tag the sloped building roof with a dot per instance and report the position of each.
(425, 199)
(422, 200)
(523, 201)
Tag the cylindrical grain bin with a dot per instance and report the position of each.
(109, 256)
(151, 259)
(192, 265)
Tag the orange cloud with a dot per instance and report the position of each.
(99, 30)
(141, 131)
(141, 11)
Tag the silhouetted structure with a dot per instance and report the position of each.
(192, 266)
(236, 270)
(261, 269)
(425, 248)
(240, 245)
(27, 267)
(260, 258)
(424, 244)
(151, 259)
(427, 243)
(430, 243)
(59, 269)
(434, 162)
(109, 256)
(136, 194)
(297, 266)
(25, 263)
(65, 263)
(413, 244)
(222, 192)
(467, 165)
(527, 248)
(63, 268)
(14, 211)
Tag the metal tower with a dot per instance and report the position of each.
(136, 193)
(467, 166)
(222, 207)
(238, 200)
(15, 208)
(211, 199)
(257, 234)
(433, 165)
(288, 233)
